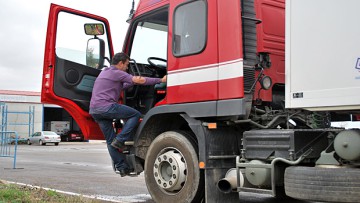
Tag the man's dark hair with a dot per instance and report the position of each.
(119, 57)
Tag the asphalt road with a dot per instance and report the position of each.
(83, 168)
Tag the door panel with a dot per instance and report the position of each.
(193, 52)
(69, 70)
(74, 81)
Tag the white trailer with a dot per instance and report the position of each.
(322, 55)
(60, 127)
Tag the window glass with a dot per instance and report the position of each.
(189, 28)
(73, 44)
(150, 39)
(49, 133)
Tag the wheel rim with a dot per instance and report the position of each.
(170, 170)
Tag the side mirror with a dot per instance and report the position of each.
(95, 49)
(94, 29)
(95, 52)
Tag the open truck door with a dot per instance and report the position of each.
(78, 46)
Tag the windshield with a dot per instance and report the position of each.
(150, 38)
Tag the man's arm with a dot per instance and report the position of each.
(147, 81)
(127, 85)
(138, 80)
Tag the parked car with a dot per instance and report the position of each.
(72, 135)
(44, 137)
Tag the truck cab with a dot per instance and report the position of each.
(228, 120)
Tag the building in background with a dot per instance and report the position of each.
(24, 112)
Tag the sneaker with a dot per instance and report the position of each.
(118, 145)
(124, 172)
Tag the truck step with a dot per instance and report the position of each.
(129, 143)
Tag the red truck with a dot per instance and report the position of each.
(242, 111)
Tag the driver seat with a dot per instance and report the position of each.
(152, 96)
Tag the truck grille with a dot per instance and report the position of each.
(249, 32)
(249, 43)
(249, 79)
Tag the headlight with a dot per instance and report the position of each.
(266, 82)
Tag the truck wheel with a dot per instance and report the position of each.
(323, 184)
(172, 171)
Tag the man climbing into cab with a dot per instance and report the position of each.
(104, 107)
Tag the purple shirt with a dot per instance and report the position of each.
(108, 86)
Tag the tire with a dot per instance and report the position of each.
(56, 144)
(188, 183)
(28, 142)
(41, 142)
(323, 184)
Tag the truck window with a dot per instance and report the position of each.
(71, 40)
(150, 38)
(189, 28)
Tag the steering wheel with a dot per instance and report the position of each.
(158, 66)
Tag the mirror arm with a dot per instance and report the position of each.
(107, 58)
(102, 52)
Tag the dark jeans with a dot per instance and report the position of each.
(105, 120)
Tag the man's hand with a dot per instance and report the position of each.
(164, 79)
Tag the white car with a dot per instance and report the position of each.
(44, 137)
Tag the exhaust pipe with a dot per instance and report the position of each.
(229, 183)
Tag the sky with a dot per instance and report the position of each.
(23, 32)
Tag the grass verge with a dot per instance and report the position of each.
(11, 193)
